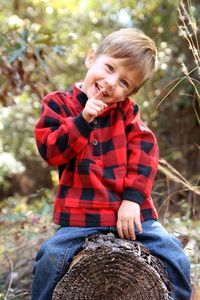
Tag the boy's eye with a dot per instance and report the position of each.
(124, 82)
(110, 68)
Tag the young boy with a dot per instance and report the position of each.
(107, 160)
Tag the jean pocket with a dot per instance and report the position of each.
(63, 265)
(68, 255)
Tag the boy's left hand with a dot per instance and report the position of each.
(128, 217)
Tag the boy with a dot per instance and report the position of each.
(107, 160)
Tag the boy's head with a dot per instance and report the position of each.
(138, 50)
(134, 57)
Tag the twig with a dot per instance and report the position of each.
(11, 277)
(167, 199)
(169, 92)
(174, 175)
(26, 243)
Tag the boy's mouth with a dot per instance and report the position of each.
(99, 88)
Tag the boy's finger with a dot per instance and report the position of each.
(98, 98)
(94, 106)
(138, 225)
(131, 230)
(98, 95)
(119, 229)
(125, 230)
(92, 112)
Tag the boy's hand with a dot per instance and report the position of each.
(128, 217)
(94, 106)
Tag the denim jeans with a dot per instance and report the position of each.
(55, 255)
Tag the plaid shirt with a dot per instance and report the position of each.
(113, 158)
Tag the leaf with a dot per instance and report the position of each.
(38, 56)
(2, 249)
(25, 34)
(16, 54)
(60, 50)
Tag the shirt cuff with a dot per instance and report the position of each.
(133, 196)
(83, 126)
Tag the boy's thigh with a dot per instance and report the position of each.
(163, 244)
(56, 253)
(155, 233)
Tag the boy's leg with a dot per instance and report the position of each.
(54, 256)
(166, 247)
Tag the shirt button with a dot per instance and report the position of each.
(95, 122)
(94, 142)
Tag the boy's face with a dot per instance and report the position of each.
(110, 75)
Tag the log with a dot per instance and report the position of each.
(110, 268)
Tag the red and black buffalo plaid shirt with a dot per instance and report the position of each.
(113, 158)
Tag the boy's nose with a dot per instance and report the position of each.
(111, 81)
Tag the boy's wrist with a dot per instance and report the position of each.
(133, 195)
(86, 117)
(83, 126)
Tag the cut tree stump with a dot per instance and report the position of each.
(110, 268)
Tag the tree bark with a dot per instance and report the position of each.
(110, 268)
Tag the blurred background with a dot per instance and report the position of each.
(43, 45)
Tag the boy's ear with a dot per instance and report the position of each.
(90, 58)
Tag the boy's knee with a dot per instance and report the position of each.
(49, 252)
(184, 262)
(51, 261)
(44, 251)
(175, 247)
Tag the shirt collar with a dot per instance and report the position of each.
(79, 95)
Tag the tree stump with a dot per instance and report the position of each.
(110, 268)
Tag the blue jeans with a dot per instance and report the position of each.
(55, 255)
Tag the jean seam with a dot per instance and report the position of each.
(63, 263)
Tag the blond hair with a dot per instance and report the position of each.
(137, 49)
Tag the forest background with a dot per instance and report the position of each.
(42, 48)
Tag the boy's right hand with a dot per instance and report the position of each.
(94, 106)
(127, 218)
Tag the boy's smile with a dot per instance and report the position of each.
(99, 88)
(111, 76)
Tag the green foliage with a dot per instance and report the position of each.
(189, 30)
(18, 122)
(25, 226)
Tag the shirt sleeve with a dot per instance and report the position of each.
(60, 136)
(143, 157)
